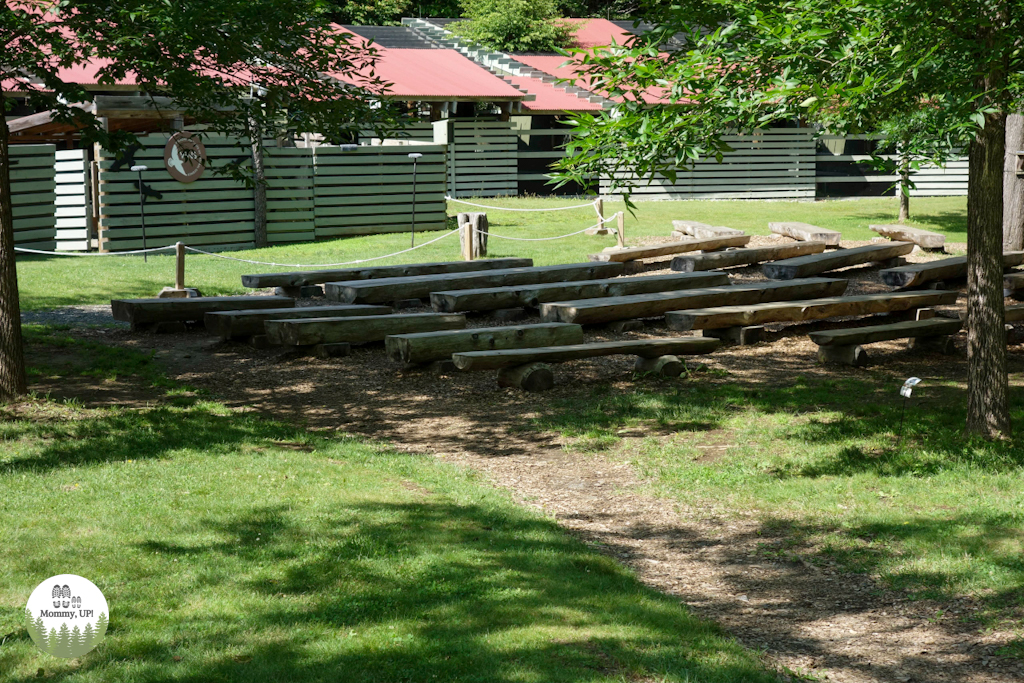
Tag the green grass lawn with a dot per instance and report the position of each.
(817, 462)
(231, 548)
(65, 280)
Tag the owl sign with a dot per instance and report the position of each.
(184, 155)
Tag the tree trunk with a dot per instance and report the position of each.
(1013, 187)
(12, 354)
(259, 189)
(904, 189)
(987, 385)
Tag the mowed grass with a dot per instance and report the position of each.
(231, 548)
(819, 463)
(46, 282)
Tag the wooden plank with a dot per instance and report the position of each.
(702, 230)
(420, 287)
(931, 327)
(634, 253)
(799, 311)
(424, 347)
(493, 298)
(814, 264)
(645, 348)
(953, 268)
(742, 257)
(245, 323)
(926, 239)
(357, 329)
(590, 311)
(142, 311)
(806, 232)
(1015, 313)
(299, 278)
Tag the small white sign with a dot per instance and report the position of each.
(908, 386)
(67, 616)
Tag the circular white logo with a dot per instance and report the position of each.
(67, 616)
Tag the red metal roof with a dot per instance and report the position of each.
(597, 32)
(551, 98)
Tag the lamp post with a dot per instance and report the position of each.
(142, 210)
(415, 157)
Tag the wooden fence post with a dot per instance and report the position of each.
(621, 235)
(600, 215)
(179, 271)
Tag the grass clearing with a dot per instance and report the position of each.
(816, 460)
(232, 548)
(47, 282)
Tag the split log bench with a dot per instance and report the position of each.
(815, 264)
(744, 257)
(722, 317)
(527, 368)
(357, 329)
(144, 313)
(926, 239)
(916, 274)
(805, 232)
(301, 278)
(591, 311)
(683, 229)
(421, 286)
(844, 346)
(667, 249)
(426, 347)
(248, 323)
(493, 298)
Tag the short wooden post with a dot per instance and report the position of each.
(621, 235)
(600, 213)
(179, 272)
(466, 240)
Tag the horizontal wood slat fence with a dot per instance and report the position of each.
(34, 194)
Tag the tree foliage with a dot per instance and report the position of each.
(515, 25)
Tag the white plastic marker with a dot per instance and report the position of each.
(908, 386)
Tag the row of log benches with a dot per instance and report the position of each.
(569, 296)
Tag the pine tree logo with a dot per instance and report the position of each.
(66, 616)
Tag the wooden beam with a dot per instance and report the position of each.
(421, 286)
(953, 268)
(245, 323)
(744, 257)
(800, 311)
(590, 311)
(933, 327)
(682, 229)
(814, 264)
(356, 329)
(425, 347)
(926, 239)
(300, 278)
(668, 248)
(645, 348)
(144, 311)
(806, 232)
(493, 298)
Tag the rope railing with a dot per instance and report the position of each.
(545, 239)
(26, 250)
(504, 208)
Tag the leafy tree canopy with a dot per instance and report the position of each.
(515, 25)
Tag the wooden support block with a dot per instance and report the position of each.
(815, 264)
(669, 248)
(443, 367)
(623, 326)
(425, 347)
(924, 314)
(473, 232)
(739, 335)
(510, 315)
(1012, 283)
(319, 277)
(938, 344)
(405, 304)
(744, 257)
(807, 233)
(260, 341)
(235, 324)
(334, 350)
(917, 274)
(290, 291)
(666, 366)
(357, 329)
(142, 311)
(843, 355)
(528, 377)
(902, 233)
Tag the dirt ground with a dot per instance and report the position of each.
(816, 622)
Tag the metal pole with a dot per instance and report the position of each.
(415, 157)
(142, 211)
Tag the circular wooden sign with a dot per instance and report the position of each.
(184, 154)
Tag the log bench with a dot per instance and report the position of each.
(815, 264)
(669, 248)
(527, 368)
(916, 274)
(926, 239)
(356, 329)
(142, 313)
(493, 298)
(300, 278)
(426, 347)
(610, 309)
(684, 229)
(844, 345)
(722, 317)
(247, 323)
(380, 291)
(805, 232)
(744, 257)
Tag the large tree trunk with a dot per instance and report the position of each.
(259, 190)
(12, 354)
(1013, 187)
(904, 188)
(988, 411)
